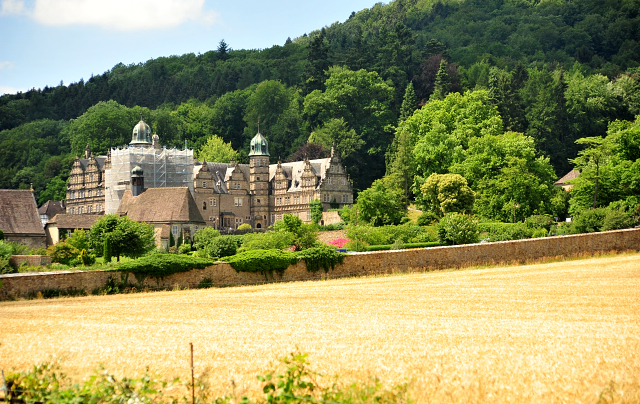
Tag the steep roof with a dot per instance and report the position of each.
(293, 171)
(573, 174)
(19, 213)
(52, 208)
(161, 205)
(65, 221)
(221, 173)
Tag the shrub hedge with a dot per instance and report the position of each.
(406, 246)
(262, 261)
(320, 257)
(161, 265)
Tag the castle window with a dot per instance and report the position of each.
(174, 229)
(257, 178)
(237, 201)
(204, 205)
(345, 199)
(89, 209)
(287, 200)
(215, 202)
(325, 198)
(204, 184)
(258, 200)
(273, 218)
(330, 180)
(89, 193)
(278, 201)
(296, 200)
(237, 185)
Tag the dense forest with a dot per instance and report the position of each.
(551, 71)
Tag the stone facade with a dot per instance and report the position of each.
(85, 191)
(361, 264)
(227, 194)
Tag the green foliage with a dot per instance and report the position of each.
(5, 268)
(380, 205)
(184, 248)
(269, 240)
(445, 193)
(215, 149)
(590, 220)
(204, 236)
(106, 251)
(161, 265)
(427, 218)
(316, 210)
(86, 259)
(78, 239)
(458, 228)
(539, 222)
(617, 219)
(63, 253)
(6, 250)
(262, 261)
(1, 235)
(386, 235)
(510, 181)
(320, 257)
(244, 226)
(305, 235)
(128, 238)
(398, 245)
(222, 246)
(506, 231)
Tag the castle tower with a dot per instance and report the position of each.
(259, 181)
(137, 181)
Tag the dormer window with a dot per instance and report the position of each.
(204, 184)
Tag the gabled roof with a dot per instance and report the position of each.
(19, 213)
(293, 171)
(52, 208)
(99, 162)
(65, 221)
(161, 205)
(221, 173)
(573, 174)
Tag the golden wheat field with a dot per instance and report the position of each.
(559, 332)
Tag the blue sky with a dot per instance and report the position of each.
(45, 41)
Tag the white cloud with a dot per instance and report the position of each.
(7, 65)
(122, 15)
(12, 7)
(10, 90)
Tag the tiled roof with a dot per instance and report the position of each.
(161, 205)
(19, 212)
(65, 221)
(573, 174)
(99, 162)
(293, 171)
(52, 208)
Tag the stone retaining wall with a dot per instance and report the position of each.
(33, 260)
(371, 263)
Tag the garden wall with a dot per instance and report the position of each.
(370, 263)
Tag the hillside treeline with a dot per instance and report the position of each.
(555, 71)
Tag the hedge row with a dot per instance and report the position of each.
(161, 265)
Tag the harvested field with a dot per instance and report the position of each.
(552, 333)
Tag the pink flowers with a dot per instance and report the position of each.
(339, 242)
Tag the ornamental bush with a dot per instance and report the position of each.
(458, 228)
(320, 257)
(617, 219)
(161, 265)
(222, 247)
(262, 261)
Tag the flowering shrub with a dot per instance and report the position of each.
(339, 242)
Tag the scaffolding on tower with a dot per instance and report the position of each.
(161, 167)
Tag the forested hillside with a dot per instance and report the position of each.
(555, 70)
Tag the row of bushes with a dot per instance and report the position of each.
(291, 382)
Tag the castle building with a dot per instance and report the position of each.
(227, 195)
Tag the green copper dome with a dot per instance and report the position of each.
(141, 134)
(259, 146)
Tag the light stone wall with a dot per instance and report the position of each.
(371, 263)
